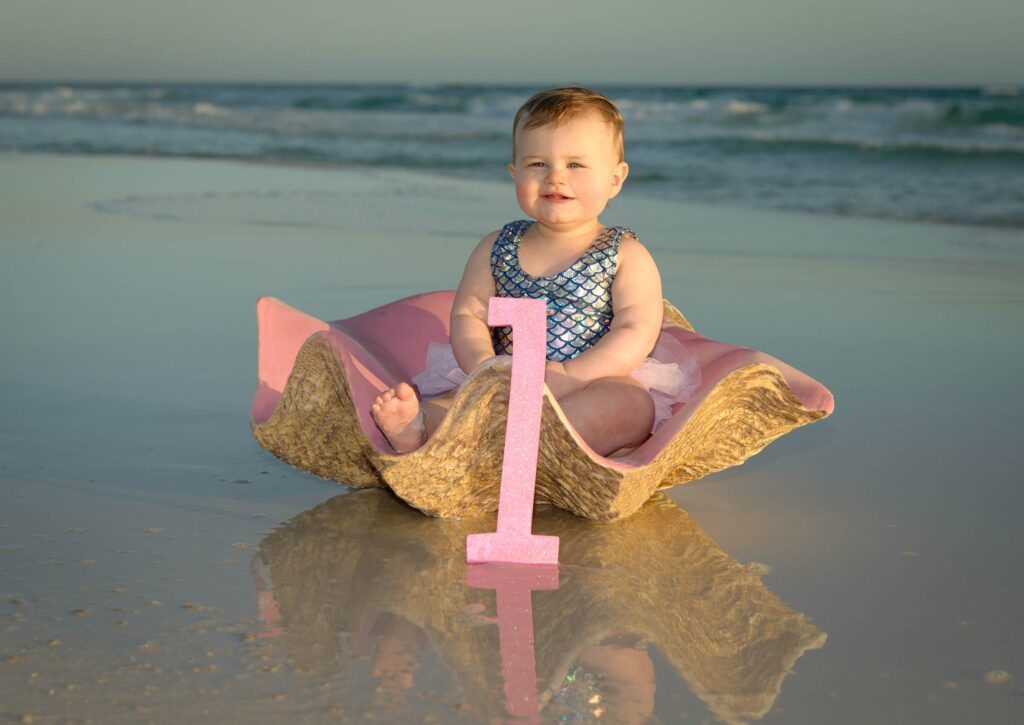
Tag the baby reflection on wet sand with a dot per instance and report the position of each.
(363, 578)
(399, 642)
(613, 679)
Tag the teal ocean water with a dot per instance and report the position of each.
(950, 155)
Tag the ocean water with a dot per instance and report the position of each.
(948, 155)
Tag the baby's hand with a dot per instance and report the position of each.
(560, 381)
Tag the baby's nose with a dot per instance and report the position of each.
(555, 173)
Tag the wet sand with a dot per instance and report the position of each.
(156, 564)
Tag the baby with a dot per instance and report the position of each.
(602, 287)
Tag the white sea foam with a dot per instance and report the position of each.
(919, 107)
(745, 108)
(1008, 90)
(209, 109)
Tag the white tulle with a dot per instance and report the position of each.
(443, 373)
(671, 375)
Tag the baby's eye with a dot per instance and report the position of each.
(575, 165)
(538, 163)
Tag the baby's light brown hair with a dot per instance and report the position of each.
(558, 105)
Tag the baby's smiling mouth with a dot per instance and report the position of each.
(555, 197)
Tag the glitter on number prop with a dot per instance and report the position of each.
(513, 541)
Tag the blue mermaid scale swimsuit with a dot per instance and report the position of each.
(579, 298)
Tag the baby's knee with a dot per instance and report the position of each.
(623, 380)
(644, 405)
(633, 395)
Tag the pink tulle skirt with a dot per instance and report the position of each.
(671, 375)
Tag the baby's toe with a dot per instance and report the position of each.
(404, 392)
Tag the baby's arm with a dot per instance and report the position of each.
(470, 335)
(638, 307)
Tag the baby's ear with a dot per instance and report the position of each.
(512, 170)
(619, 177)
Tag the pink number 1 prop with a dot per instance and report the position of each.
(513, 542)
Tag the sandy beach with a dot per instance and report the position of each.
(148, 545)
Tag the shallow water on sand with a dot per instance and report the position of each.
(156, 564)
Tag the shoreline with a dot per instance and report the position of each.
(628, 194)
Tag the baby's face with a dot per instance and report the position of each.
(566, 174)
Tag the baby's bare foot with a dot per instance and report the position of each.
(398, 415)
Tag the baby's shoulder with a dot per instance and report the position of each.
(481, 253)
(629, 242)
(503, 238)
(621, 235)
(632, 253)
(489, 239)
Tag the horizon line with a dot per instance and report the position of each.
(521, 84)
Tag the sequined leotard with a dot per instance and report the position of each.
(579, 298)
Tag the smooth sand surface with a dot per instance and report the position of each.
(132, 495)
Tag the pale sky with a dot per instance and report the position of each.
(890, 42)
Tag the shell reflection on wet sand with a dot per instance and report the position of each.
(364, 565)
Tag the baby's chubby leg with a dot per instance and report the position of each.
(613, 415)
